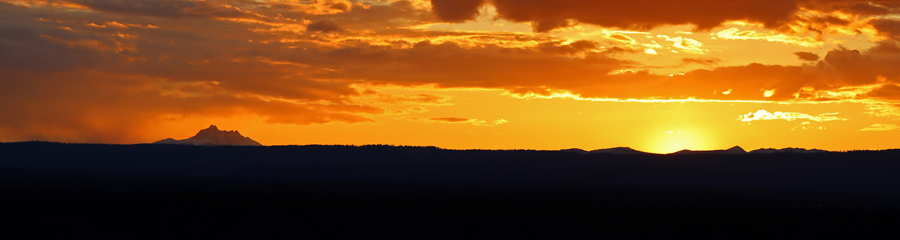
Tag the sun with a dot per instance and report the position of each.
(673, 141)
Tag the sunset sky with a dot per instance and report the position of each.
(654, 75)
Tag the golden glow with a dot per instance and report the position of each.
(673, 141)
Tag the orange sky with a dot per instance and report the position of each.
(657, 76)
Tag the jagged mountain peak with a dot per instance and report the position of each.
(212, 136)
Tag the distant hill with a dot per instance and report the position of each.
(616, 150)
(732, 150)
(212, 136)
(786, 150)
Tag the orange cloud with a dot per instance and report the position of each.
(887, 27)
(641, 14)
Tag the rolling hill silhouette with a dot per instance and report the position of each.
(732, 150)
(615, 150)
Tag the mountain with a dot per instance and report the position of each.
(786, 150)
(574, 150)
(212, 136)
(732, 150)
(616, 150)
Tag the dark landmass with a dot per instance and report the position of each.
(212, 136)
(786, 150)
(616, 150)
(732, 150)
(149, 191)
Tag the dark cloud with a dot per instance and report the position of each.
(451, 65)
(428, 99)
(325, 26)
(861, 7)
(36, 47)
(641, 14)
(451, 119)
(456, 10)
(340, 6)
(166, 8)
(807, 56)
(745, 82)
(701, 61)
(644, 14)
(575, 47)
(890, 92)
(887, 27)
(89, 76)
(96, 107)
(853, 67)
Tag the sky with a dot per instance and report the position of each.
(655, 75)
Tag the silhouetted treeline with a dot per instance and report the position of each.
(319, 191)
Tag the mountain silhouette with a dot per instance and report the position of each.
(787, 150)
(616, 150)
(732, 150)
(212, 136)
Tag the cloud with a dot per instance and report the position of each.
(110, 108)
(737, 34)
(854, 67)
(62, 62)
(418, 99)
(807, 56)
(97, 76)
(789, 116)
(639, 14)
(887, 27)
(324, 26)
(887, 91)
(568, 48)
(456, 10)
(880, 127)
(452, 119)
(166, 8)
(472, 121)
(686, 45)
(701, 61)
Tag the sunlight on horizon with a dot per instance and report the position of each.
(673, 141)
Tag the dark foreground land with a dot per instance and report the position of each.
(82, 191)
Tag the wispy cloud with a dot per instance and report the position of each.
(472, 121)
(788, 116)
(880, 127)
